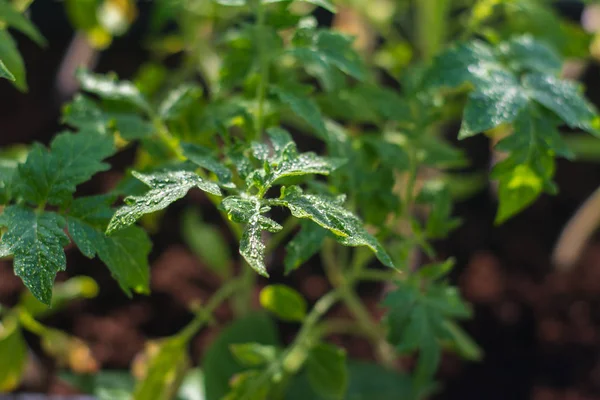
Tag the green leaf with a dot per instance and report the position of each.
(304, 245)
(219, 364)
(283, 301)
(460, 342)
(12, 60)
(14, 19)
(524, 53)
(329, 214)
(287, 162)
(564, 98)
(497, 102)
(13, 350)
(416, 318)
(104, 384)
(125, 252)
(164, 368)
(519, 187)
(254, 354)
(326, 370)
(132, 127)
(529, 169)
(165, 188)
(328, 49)
(36, 239)
(464, 63)
(252, 247)
(241, 208)
(336, 49)
(107, 87)
(84, 114)
(366, 381)
(303, 106)
(179, 100)
(52, 176)
(204, 157)
(439, 222)
(5, 73)
(63, 293)
(207, 242)
(326, 4)
(244, 387)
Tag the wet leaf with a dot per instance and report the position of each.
(329, 214)
(52, 175)
(36, 240)
(165, 188)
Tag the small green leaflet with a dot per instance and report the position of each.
(179, 100)
(493, 104)
(83, 113)
(529, 169)
(326, 50)
(253, 354)
(14, 19)
(52, 176)
(511, 83)
(169, 361)
(124, 252)
(12, 61)
(304, 245)
(525, 53)
(327, 371)
(285, 302)
(326, 4)
(248, 210)
(417, 321)
(36, 239)
(108, 87)
(286, 162)
(328, 213)
(165, 188)
(13, 348)
(5, 73)
(252, 247)
(303, 106)
(203, 157)
(564, 98)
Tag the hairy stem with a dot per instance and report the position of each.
(345, 286)
(205, 314)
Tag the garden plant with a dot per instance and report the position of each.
(322, 134)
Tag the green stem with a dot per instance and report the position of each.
(205, 314)
(345, 287)
(261, 90)
(166, 139)
(379, 275)
(431, 26)
(294, 356)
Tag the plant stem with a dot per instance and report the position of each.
(294, 356)
(205, 314)
(345, 286)
(431, 26)
(261, 90)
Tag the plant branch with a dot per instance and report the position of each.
(204, 315)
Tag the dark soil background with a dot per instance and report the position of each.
(540, 329)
